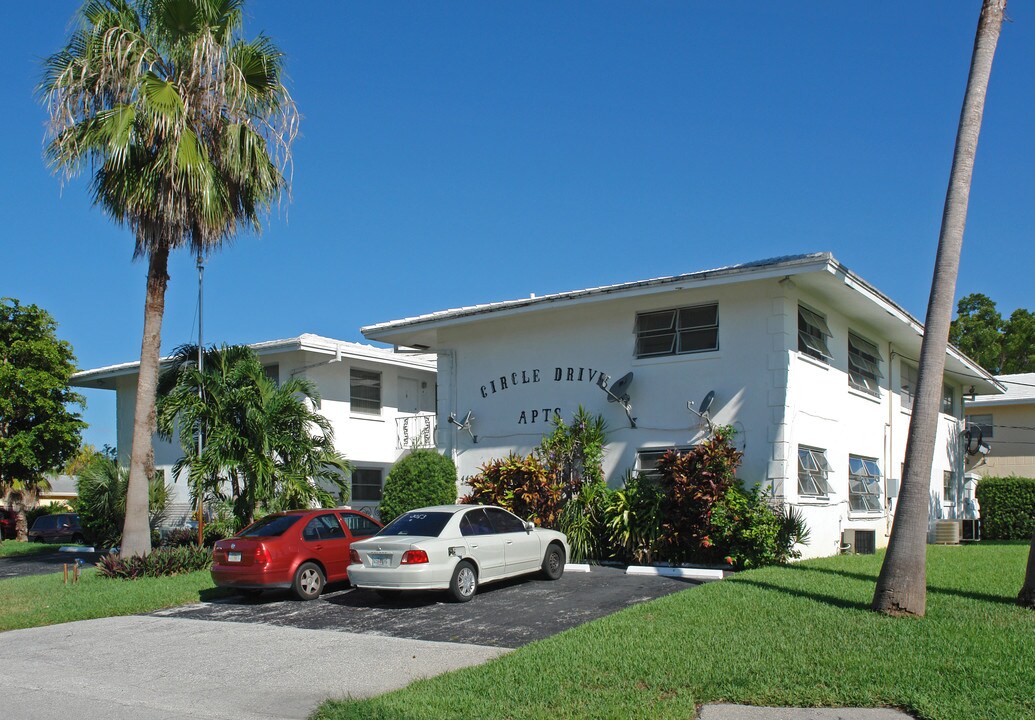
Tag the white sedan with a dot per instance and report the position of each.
(455, 548)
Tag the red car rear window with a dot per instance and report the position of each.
(270, 526)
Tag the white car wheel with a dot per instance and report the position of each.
(464, 583)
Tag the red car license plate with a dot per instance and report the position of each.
(233, 557)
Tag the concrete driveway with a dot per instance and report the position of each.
(279, 658)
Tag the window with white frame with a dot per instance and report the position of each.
(982, 423)
(910, 377)
(365, 395)
(647, 461)
(366, 485)
(813, 471)
(948, 487)
(812, 334)
(948, 398)
(678, 331)
(863, 484)
(863, 365)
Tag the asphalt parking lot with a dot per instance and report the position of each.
(506, 615)
(41, 563)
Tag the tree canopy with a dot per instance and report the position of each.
(39, 426)
(1001, 346)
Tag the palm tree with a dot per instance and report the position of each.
(1026, 597)
(902, 585)
(260, 437)
(186, 128)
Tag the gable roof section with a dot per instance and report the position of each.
(1020, 390)
(818, 273)
(104, 377)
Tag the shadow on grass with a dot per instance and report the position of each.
(872, 578)
(818, 597)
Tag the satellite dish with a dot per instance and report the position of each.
(617, 391)
(706, 404)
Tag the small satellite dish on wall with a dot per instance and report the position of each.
(706, 404)
(617, 391)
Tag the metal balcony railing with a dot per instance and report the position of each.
(415, 431)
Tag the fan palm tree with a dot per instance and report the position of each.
(260, 437)
(186, 129)
(902, 584)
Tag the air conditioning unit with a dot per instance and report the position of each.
(859, 542)
(971, 529)
(947, 532)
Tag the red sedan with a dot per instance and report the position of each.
(298, 549)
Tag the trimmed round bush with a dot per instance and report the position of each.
(421, 478)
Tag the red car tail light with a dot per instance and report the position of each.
(262, 555)
(414, 557)
(354, 558)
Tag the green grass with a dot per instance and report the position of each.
(801, 635)
(46, 599)
(13, 548)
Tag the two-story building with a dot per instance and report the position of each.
(814, 367)
(1005, 425)
(379, 403)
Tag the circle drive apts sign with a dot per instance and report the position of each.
(548, 378)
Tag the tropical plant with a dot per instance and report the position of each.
(187, 129)
(39, 427)
(101, 501)
(748, 530)
(582, 520)
(902, 585)
(633, 519)
(422, 478)
(162, 562)
(262, 440)
(519, 484)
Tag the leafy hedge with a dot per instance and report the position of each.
(1007, 507)
(163, 561)
(420, 479)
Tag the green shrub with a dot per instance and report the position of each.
(421, 478)
(632, 519)
(102, 500)
(1007, 507)
(161, 562)
(749, 531)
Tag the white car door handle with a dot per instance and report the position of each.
(510, 542)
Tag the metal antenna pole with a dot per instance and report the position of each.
(201, 395)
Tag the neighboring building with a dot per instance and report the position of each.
(1005, 424)
(380, 403)
(813, 366)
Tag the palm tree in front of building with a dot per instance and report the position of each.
(186, 129)
(902, 585)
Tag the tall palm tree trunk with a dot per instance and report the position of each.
(902, 585)
(136, 533)
(1026, 598)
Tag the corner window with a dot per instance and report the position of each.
(982, 423)
(863, 484)
(365, 391)
(910, 377)
(813, 471)
(677, 332)
(812, 334)
(366, 485)
(863, 365)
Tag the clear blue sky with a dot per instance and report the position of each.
(457, 153)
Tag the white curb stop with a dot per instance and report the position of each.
(687, 573)
(576, 567)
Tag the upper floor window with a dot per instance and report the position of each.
(863, 365)
(948, 398)
(813, 471)
(863, 484)
(910, 377)
(366, 391)
(812, 334)
(675, 332)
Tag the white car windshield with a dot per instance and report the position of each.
(423, 524)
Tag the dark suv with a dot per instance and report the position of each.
(61, 527)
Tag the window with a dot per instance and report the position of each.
(504, 522)
(272, 372)
(647, 461)
(812, 334)
(475, 522)
(323, 527)
(366, 484)
(675, 332)
(863, 365)
(366, 391)
(910, 377)
(863, 484)
(948, 398)
(813, 470)
(948, 487)
(358, 525)
(982, 423)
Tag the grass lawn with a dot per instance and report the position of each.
(46, 599)
(12, 548)
(801, 635)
